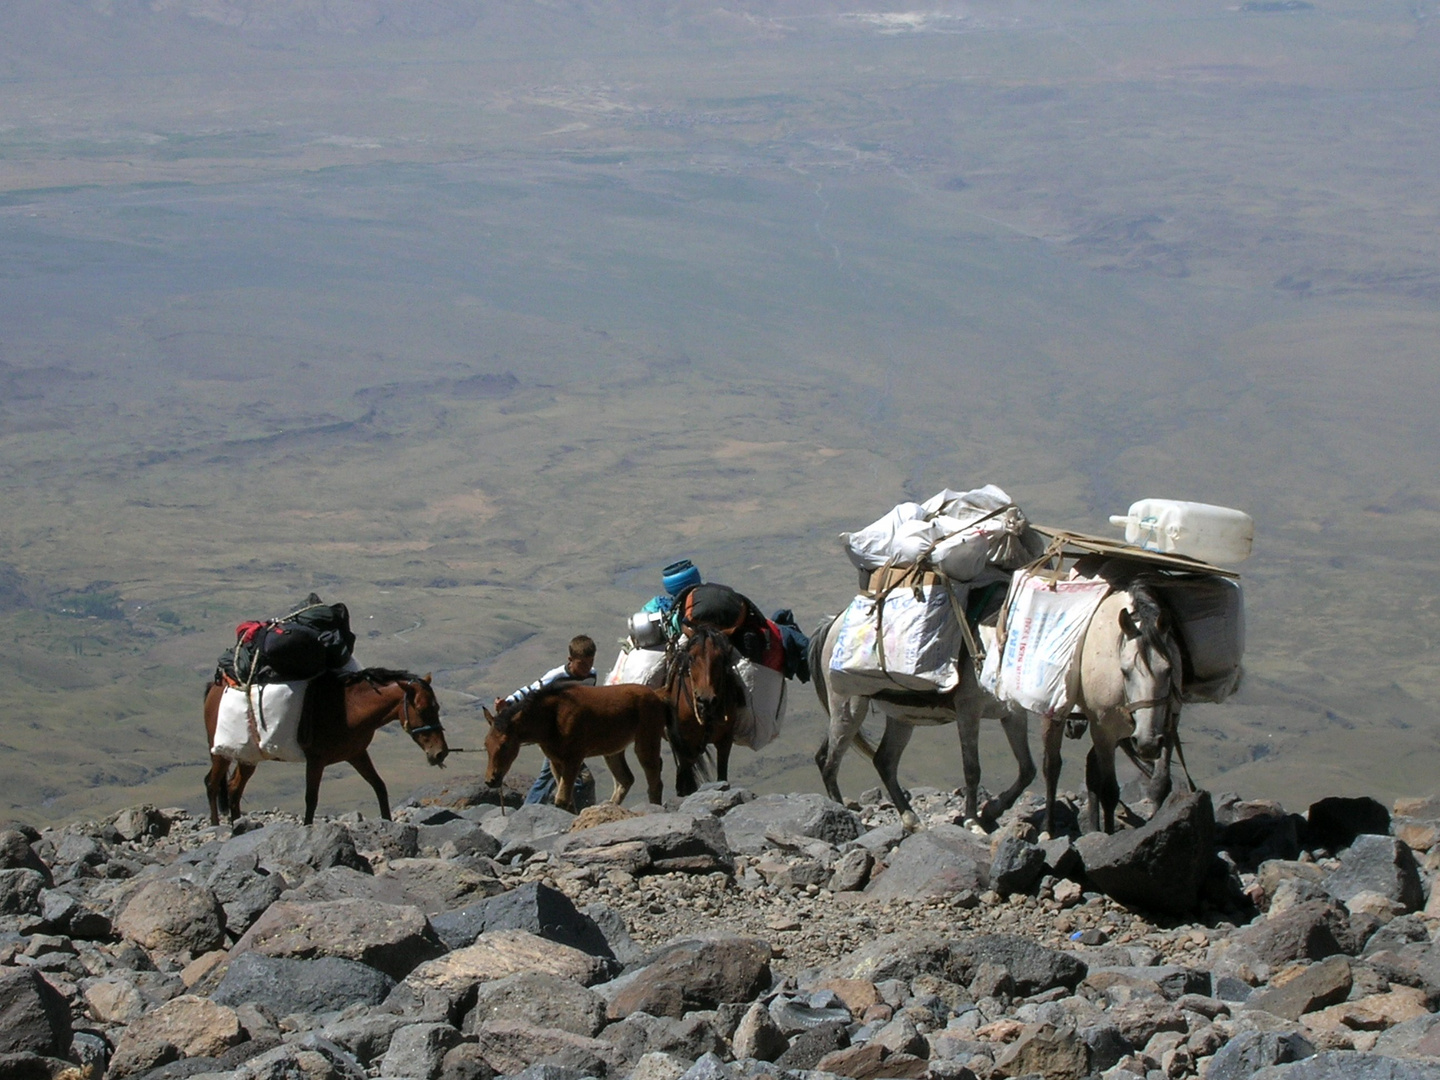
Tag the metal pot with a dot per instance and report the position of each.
(646, 629)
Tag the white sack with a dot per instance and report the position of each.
(1045, 623)
(872, 546)
(764, 713)
(643, 666)
(921, 642)
(277, 708)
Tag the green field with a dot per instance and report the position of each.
(476, 315)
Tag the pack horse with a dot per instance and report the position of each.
(341, 713)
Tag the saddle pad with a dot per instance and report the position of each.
(277, 708)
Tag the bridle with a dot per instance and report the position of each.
(424, 729)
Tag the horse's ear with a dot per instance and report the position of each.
(426, 679)
(489, 716)
(1127, 624)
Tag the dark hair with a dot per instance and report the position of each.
(581, 646)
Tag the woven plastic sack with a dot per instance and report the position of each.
(1044, 625)
(764, 714)
(277, 708)
(911, 646)
(645, 667)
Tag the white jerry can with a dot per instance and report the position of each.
(1212, 534)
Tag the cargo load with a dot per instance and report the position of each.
(1211, 534)
(958, 534)
(1044, 624)
(906, 637)
(1209, 615)
(275, 708)
(764, 714)
(312, 638)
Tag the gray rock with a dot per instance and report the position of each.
(1032, 967)
(1351, 1066)
(418, 1050)
(716, 798)
(1335, 822)
(366, 1036)
(535, 907)
(465, 1062)
(174, 916)
(1378, 864)
(1016, 866)
(694, 975)
(852, 872)
(807, 1048)
(807, 814)
(289, 985)
(296, 851)
(1309, 931)
(653, 843)
(940, 861)
(1418, 1038)
(510, 1046)
(540, 999)
(436, 885)
(709, 1067)
(463, 836)
(244, 892)
(17, 854)
(392, 839)
(639, 1034)
(901, 955)
(347, 883)
(1325, 983)
(34, 1017)
(135, 822)
(20, 891)
(1160, 866)
(1250, 1051)
(532, 822)
(758, 1036)
(616, 933)
(391, 938)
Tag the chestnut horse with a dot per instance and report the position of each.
(706, 696)
(573, 721)
(342, 713)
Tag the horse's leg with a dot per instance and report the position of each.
(1100, 774)
(1017, 732)
(366, 768)
(624, 778)
(1093, 783)
(722, 756)
(887, 764)
(647, 750)
(314, 769)
(565, 774)
(217, 792)
(1051, 733)
(846, 716)
(238, 780)
(967, 726)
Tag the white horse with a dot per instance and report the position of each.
(1127, 685)
(903, 712)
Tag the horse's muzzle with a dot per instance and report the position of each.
(438, 758)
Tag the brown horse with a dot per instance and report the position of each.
(571, 722)
(705, 698)
(342, 713)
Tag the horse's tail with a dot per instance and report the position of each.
(813, 657)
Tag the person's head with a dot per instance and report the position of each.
(582, 656)
(679, 576)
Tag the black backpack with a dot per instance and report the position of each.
(312, 638)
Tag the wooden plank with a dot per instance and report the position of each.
(1105, 545)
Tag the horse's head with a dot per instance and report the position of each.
(420, 717)
(1150, 664)
(502, 745)
(702, 697)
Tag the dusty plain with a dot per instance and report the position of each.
(474, 315)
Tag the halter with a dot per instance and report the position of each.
(424, 729)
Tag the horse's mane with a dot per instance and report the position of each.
(512, 712)
(377, 676)
(1151, 617)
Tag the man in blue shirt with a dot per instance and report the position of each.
(579, 667)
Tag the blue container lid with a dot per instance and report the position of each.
(679, 576)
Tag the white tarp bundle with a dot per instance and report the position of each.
(1208, 611)
(764, 713)
(276, 708)
(635, 665)
(957, 532)
(910, 644)
(1045, 622)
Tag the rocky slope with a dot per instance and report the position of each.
(725, 936)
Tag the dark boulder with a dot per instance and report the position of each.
(1160, 866)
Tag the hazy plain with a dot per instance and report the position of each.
(473, 315)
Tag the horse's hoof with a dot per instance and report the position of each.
(910, 821)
